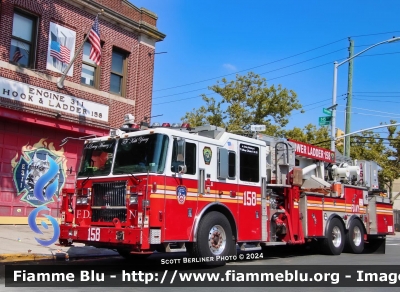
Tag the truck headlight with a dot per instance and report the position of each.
(82, 201)
(133, 200)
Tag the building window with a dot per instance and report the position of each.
(90, 71)
(23, 39)
(118, 73)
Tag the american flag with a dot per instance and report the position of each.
(60, 52)
(94, 38)
(17, 55)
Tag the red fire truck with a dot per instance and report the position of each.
(173, 188)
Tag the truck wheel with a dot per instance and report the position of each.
(333, 244)
(355, 237)
(214, 237)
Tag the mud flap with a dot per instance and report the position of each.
(375, 245)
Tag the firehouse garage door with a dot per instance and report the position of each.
(27, 152)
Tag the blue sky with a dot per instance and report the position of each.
(289, 42)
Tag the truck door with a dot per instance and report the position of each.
(250, 191)
(181, 189)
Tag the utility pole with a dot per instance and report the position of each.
(336, 65)
(349, 100)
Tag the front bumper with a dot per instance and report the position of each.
(105, 237)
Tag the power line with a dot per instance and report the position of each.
(376, 100)
(363, 114)
(282, 59)
(269, 79)
(376, 95)
(307, 110)
(279, 60)
(372, 110)
(278, 77)
(364, 35)
(206, 88)
(379, 54)
(258, 74)
(317, 102)
(176, 100)
(389, 92)
(371, 137)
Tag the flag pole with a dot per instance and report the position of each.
(60, 82)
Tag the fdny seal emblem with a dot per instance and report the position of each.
(181, 194)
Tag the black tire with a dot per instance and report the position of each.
(126, 254)
(64, 242)
(217, 225)
(333, 244)
(355, 237)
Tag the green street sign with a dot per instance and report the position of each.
(324, 121)
(327, 112)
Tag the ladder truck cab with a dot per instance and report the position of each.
(206, 191)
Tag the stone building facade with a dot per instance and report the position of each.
(39, 40)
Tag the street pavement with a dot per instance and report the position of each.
(18, 243)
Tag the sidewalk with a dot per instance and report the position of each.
(18, 243)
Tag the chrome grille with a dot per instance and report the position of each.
(110, 195)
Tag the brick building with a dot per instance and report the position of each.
(38, 40)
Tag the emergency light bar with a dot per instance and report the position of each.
(173, 125)
(115, 132)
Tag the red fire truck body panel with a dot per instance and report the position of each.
(314, 210)
(384, 218)
(206, 190)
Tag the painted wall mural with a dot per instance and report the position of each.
(39, 173)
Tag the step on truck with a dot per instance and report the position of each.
(209, 192)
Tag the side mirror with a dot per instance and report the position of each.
(182, 168)
(180, 153)
(179, 168)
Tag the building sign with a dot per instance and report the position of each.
(40, 173)
(52, 100)
(61, 48)
(311, 151)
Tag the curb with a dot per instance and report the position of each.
(22, 257)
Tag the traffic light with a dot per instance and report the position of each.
(339, 133)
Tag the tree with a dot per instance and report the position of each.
(310, 134)
(244, 102)
(208, 114)
(391, 168)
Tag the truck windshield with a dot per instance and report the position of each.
(97, 158)
(141, 154)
